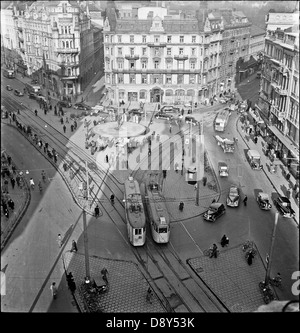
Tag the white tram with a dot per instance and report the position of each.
(158, 214)
(135, 214)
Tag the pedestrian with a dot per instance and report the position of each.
(5, 187)
(104, 273)
(224, 241)
(62, 120)
(170, 128)
(97, 211)
(11, 204)
(245, 200)
(255, 139)
(36, 113)
(12, 181)
(18, 180)
(106, 158)
(214, 252)
(64, 128)
(74, 246)
(288, 176)
(72, 127)
(149, 295)
(75, 124)
(53, 289)
(59, 240)
(250, 258)
(67, 120)
(9, 159)
(204, 180)
(181, 205)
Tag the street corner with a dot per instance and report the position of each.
(127, 286)
(231, 278)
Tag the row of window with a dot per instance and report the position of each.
(278, 53)
(157, 39)
(159, 79)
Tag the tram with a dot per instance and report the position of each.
(158, 214)
(135, 214)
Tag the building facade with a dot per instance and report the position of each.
(56, 43)
(279, 95)
(256, 43)
(235, 45)
(152, 56)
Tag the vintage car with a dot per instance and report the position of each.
(192, 120)
(227, 145)
(18, 93)
(223, 169)
(135, 112)
(253, 157)
(161, 115)
(81, 106)
(214, 211)
(64, 104)
(263, 201)
(233, 198)
(283, 205)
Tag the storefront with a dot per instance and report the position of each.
(285, 150)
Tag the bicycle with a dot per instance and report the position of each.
(248, 245)
(209, 252)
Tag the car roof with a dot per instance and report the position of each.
(263, 195)
(216, 205)
(284, 199)
(253, 153)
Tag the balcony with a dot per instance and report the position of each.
(65, 50)
(65, 77)
(181, 57)
(132, 56)
(159, 44)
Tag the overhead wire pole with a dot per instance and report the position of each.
(267, 278)
(199, 151)
(86, 248)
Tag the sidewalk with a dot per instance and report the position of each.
(281, 185)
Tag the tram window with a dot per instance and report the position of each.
(137, 231)
(163, 230)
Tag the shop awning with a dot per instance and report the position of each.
(285, 141)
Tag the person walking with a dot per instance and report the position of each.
(214, 252)
(12, 180)
(74, 246)
(106, 158)
(64, 128)
(59, 240)
(72, 127)
(245, 200)
(97, 211)
(18, 180)
(53, 289)
(255, 139)
(36, 113)
(250, 258)
(104, 273)
(181, 205)
(149, 295)
(5, 186)
(224, 241)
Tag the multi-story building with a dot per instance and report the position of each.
(59, 46)
(279, 96)
(235, 45)
(153, 56)
(256, 43)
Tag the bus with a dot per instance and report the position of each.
(134, 211)
(221, 120)
(9, 73)
(158, 213)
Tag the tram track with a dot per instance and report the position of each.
(164, 264)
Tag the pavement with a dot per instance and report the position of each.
(236, 285)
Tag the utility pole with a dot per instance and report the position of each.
(267, 278)
(86, 248)
(199, 161)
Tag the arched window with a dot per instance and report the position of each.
(169, 92)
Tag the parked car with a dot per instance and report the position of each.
(9, 88)
(214, 211)
(40, 97)
(32, 95)
(223, 169)
(233, 198)
(161, 115)
(167, 109)
(81, 106)
(64, 104)
(190, 119)
(263, 201)
(18, 93)
(284, 207)
(136, 112)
